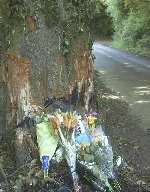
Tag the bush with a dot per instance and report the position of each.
(132, 24)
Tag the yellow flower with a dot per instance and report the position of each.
(91, 120)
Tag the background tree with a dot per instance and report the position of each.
(131, 23)
(101, 24)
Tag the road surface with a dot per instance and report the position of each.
(129, 75)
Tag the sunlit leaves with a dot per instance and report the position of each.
(132, 24)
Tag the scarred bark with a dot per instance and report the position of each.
(38, 70)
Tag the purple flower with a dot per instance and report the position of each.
(94, 113)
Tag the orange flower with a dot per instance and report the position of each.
(69, 120)
(55, 123)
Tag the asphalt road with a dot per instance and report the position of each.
(128, 75)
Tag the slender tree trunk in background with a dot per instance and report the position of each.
(3, 105)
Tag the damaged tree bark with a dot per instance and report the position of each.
(17, 78)
(38, 69)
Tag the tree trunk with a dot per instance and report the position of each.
(36, 70)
